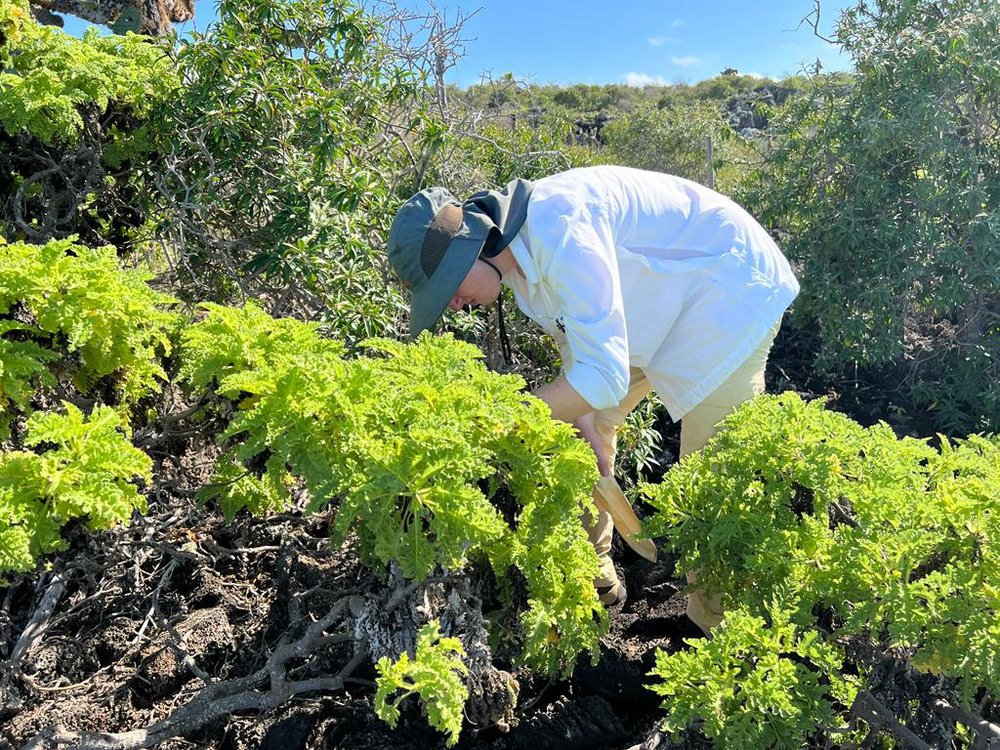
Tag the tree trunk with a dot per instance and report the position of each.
(152, 17)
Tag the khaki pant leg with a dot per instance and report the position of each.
(701, 424)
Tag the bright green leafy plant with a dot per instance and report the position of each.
(434, 673)
(757, 683)
(74, 112)
(860, 535)
(82, 468)
(80, 303)
(412, 447)
(24, 365)
(435, 463)
(71, 320)
(13, 16)
(51, 75)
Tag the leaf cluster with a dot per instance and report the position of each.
(82, 468)
(756, 683)
(74, 117)
(850, 529)
(47, 76)
(434, 462)
(65, 300)
(434, 673)
(670, 139)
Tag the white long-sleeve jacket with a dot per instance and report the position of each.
(647, 270)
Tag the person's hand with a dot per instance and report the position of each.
(568, 405)
(588, 431)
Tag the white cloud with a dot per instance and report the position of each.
(687, 61)
(640, 80)
(659, 41)
(678, 22)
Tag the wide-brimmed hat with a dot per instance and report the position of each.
(435, 240)
(432, 245)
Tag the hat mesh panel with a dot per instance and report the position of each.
(442, 230)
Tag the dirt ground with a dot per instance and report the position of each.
(128, 627)
(227, 592)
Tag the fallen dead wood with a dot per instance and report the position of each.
(221, 699)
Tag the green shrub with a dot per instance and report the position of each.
(889, 192)
(282, 161)
(79, 302)
(496, 153)
(47, 76)
(73, 113)
(674, 140)
(757, 683)
(72, 324)
(83, 468)
(24, 366)
(433, 462)
(411, 446)
(794, 512)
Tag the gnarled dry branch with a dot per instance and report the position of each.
(222, 699)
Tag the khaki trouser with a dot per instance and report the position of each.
(697, 427)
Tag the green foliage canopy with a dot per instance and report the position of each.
(889, 190)
(73, 113)
(47, 76)
(71, 315)
(794, 513)
(671, 140)
(757, 683)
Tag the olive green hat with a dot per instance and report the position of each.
(435, 240)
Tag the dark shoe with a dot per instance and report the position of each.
(610, 590)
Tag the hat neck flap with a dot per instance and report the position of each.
(506, 209)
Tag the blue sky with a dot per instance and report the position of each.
(644, 41)
(660, 41)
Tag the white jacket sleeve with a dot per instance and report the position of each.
(582, 271)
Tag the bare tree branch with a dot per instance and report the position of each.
(37, 624)
(813, 20)
(987, 733)
(870, 710)
(221, 699)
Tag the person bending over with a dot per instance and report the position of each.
(645, 281)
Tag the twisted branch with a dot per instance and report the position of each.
(221, 699)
